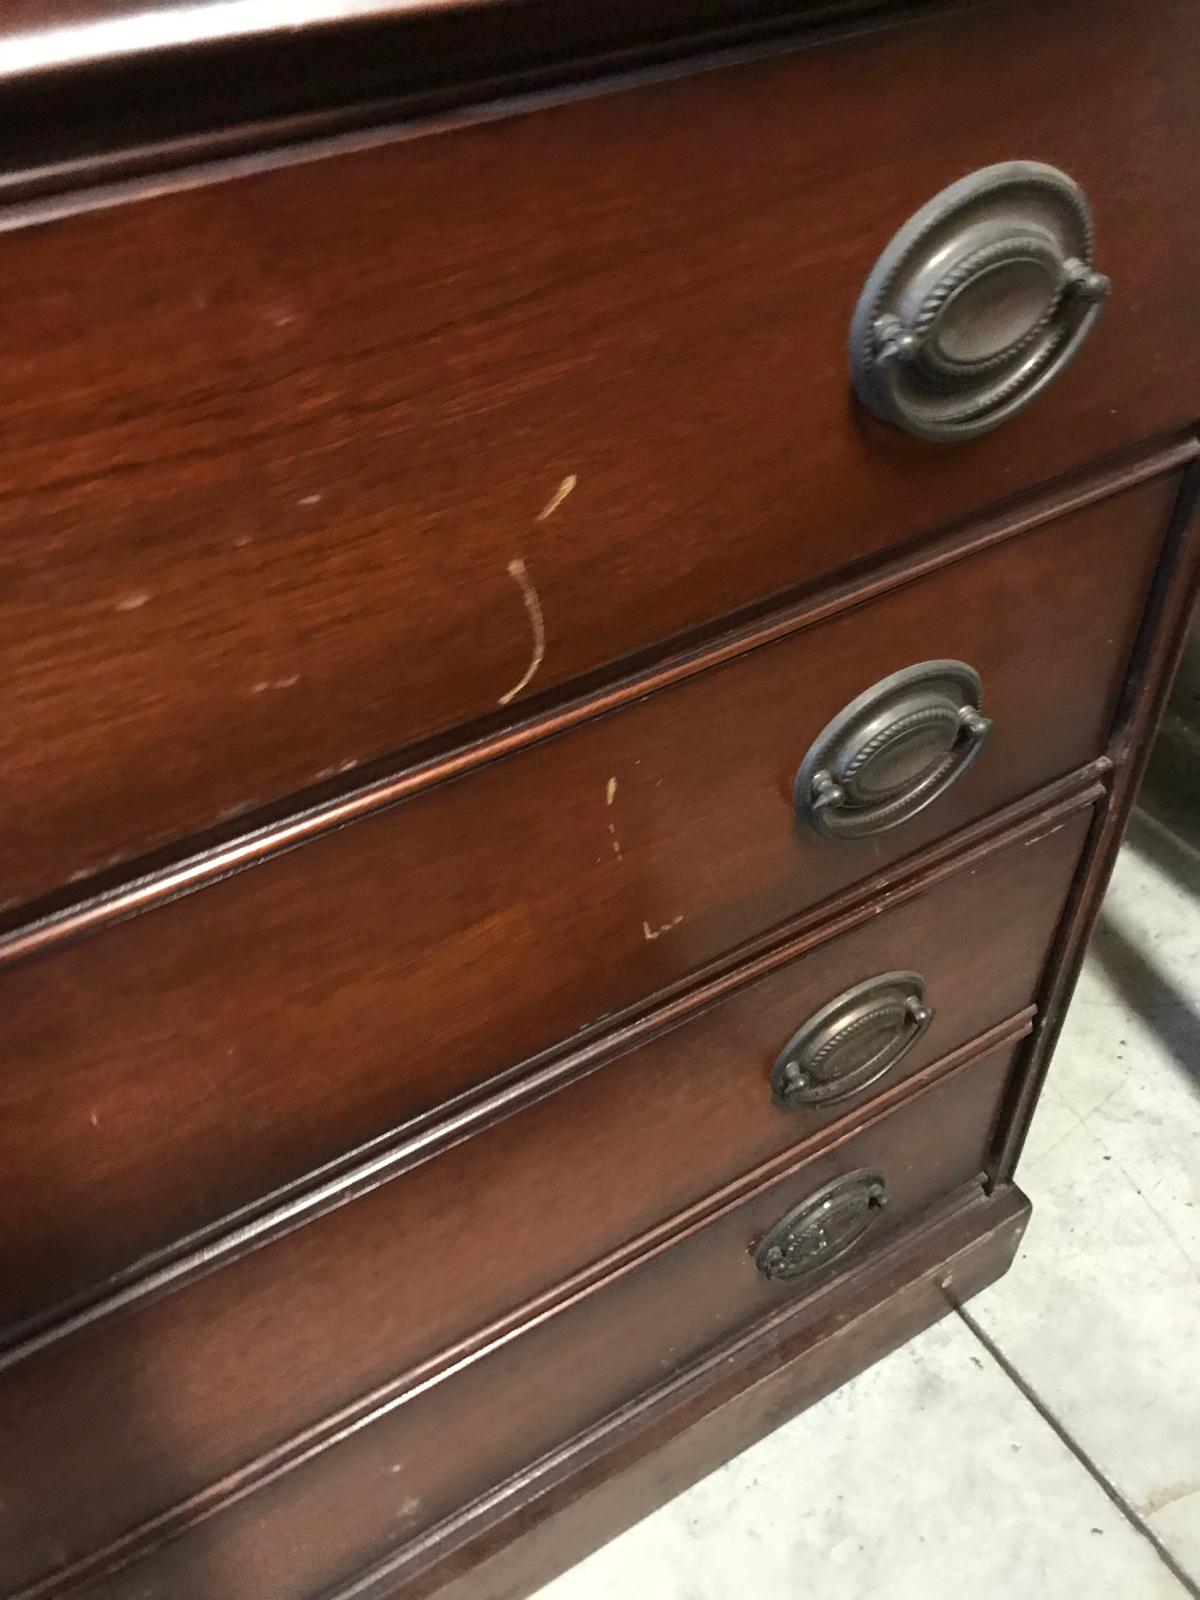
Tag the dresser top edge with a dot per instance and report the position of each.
(94, 85)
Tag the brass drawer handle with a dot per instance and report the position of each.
(977, 303)
(823, 1229)
(892, 751)
(852, 1042)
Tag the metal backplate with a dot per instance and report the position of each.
(976, 302)
(892, 750)
(824, 1229)
(852, 1042)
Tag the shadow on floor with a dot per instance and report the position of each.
(1170, 1013)
(1168, 850)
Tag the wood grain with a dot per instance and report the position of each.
(286, 1016)
(199, 1383)
(979, 940)
(265, 481)
(426, 553)
(72, 912)
(618, 1473)
(279, 1213)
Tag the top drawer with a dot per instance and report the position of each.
(279, 452)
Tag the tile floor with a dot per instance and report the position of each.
(935, 1473)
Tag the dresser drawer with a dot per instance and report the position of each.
(977, 942)
(173, 1068)
(184, 1390)
(277, 491)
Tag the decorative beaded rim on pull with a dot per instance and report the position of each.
(929, 717)
(1001, 253)
(796, 1080)
(1036, 176)
(898, 368)
(798, 1245)
(823, 793)
(888, 1010)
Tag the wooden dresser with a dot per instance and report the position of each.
(584, 589)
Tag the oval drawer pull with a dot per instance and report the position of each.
(852, 1042)
(977, 303)
(823, 1229)
(892, 751)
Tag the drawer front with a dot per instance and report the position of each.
(278, 490)
(193, 1386)
(247, 1034)
(680, 1115)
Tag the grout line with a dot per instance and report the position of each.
(1131, 1516)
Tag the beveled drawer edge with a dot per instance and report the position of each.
(235, 145)
(368, 1166)
(40, 926)
(427, 1375)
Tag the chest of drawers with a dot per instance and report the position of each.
(584, 597)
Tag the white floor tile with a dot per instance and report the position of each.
(1101, 1313)
(930, 1475)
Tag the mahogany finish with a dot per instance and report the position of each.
(619, 1473)
(198, 1385)
(689, 1420)
(435, 527)
(979, 940)
(268, 492)
(292, 1013)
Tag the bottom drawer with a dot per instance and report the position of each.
(403, 1460)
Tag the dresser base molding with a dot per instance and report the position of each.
(517, 1535)
(567, 1505)
(462, 1426)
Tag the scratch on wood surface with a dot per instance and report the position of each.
(649, 933)
(132, 602)
(1042, 837)
(610, 794)
(556, 499)
(519, 573)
